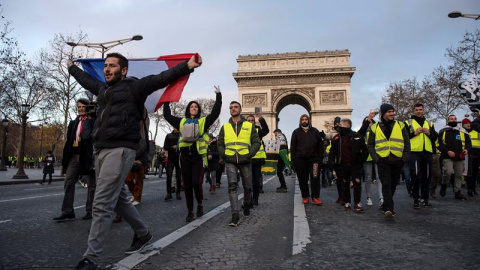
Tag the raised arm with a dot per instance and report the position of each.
(172, 120)
(217, 107)
(84, 79)
(264, 130)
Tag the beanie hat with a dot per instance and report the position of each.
(336, 120)
(277, 130)
(384, 108)
(465, 121)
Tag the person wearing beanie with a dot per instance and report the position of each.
(422, 140)
(389, 146)
(454, 144)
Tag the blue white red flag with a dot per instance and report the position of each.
(141, 67)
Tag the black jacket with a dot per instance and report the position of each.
(84, 149)
(119, 105)
(359, 149)
(452, 143)
(213, 156)
(308, 145)
(171, 140)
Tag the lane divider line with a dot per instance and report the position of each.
(301, 230)
(5, 221)
(155, 248)
(33, 197)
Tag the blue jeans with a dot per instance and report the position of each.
(246, 174)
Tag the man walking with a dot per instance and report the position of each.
(78, 160)
(238, 142)
(422, 136)
(389, 146)
(173, 162)
(306, 148)
(282, 141)
(117, 134)
(454, 144)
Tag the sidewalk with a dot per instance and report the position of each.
(34, 176)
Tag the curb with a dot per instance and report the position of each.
(29, 181)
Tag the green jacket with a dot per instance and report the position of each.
(254, 140)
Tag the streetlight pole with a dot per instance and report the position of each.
(21, 152)
(3, 166)
(103, 47)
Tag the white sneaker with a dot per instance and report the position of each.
(380, 204)
(369, 201)
(135, 203)
(131, 199)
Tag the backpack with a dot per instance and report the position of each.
(190, 130)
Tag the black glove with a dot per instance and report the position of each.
(322, 134)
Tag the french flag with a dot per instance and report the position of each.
(141, 67)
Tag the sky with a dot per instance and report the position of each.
(388, 40)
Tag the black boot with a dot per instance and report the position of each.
(459, 196)
(246, 209)
(443, 190)
(470, 193)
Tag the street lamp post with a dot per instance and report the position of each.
(103, 47)
(3, 166)
(21, 172)
(458, 14)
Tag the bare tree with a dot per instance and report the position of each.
(402, 96)
(466, 56)
(54, 68)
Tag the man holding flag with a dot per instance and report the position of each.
(116, 135)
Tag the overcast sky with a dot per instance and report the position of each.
(388, 40)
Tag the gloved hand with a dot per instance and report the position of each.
(217, 89)
(322, 134)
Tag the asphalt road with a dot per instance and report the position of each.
(444, 237)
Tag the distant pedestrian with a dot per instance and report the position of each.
(173, 164)
(282, 141)
(48, 163)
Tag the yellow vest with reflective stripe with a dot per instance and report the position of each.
(237, 144)
(383, 146)
(202, 139)
(261, 152)
(366, 142)
(462, 138)
(417, 142)
(474, 136)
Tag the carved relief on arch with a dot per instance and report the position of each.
(254, 100)
(308, 92)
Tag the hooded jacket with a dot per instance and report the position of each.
(359, 150)
(238, 159)
(453, 143)
(119, 105)
(306, 143)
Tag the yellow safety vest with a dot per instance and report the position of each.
(328, 147)
(474, 136)
(237, 144)
(383, 146)
(202, 139)
(261, 152)
(462, 138)
(366, 142)
(417, 142)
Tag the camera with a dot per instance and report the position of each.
(91, 109)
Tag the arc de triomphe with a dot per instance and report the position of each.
(318, 81)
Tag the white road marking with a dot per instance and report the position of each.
(81, 206)
(301, 231)
(33, 197)
(4, 221)
(155, 248)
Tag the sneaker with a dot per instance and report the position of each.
(443, 190)
(168, 197)
(246, 209)
(190, 217)
(131, 199)
(425, 203)
(138, 243)
(305, 200)
(65, 217)
(369, 201)
(87, 216)
(199, 210)
(380, 203)
(416, 204)
(212, 189)
(347, 206)
(218, 186)
(317, 201)
(135, 203)
(358, 207)
(459, 196)
(86, 264)
(389, 214)
(41, 183)
(235, 220)
(282, 190)
(340, 200)
(178, 196)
